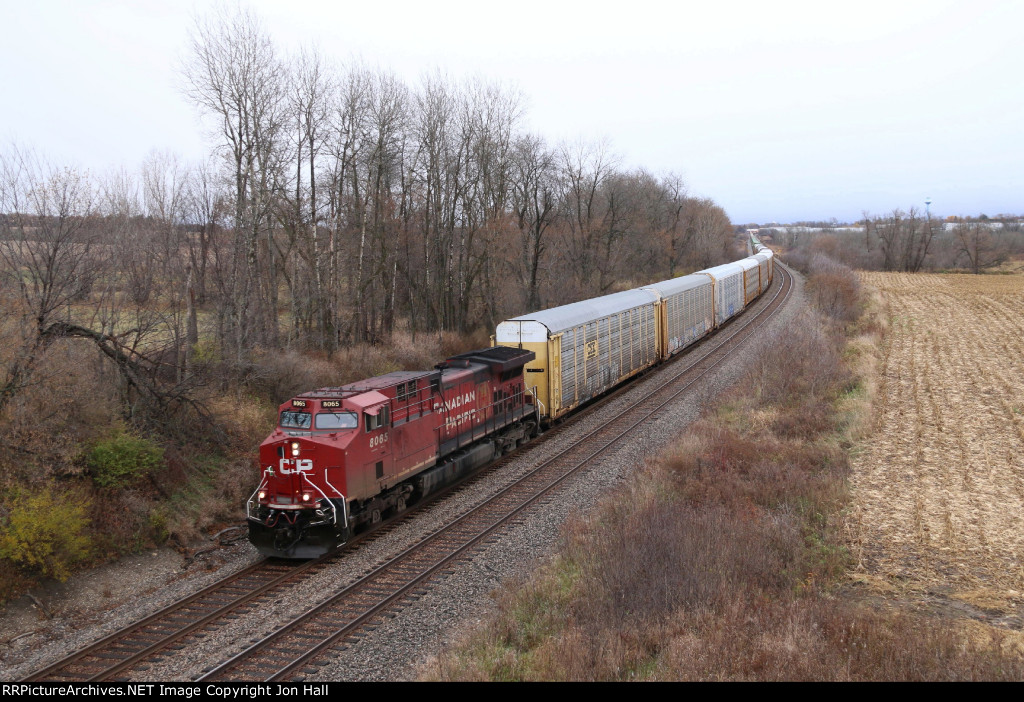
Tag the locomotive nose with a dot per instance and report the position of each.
(286, 465)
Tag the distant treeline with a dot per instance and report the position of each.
(909, 241)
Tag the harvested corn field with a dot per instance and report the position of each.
(938, 489)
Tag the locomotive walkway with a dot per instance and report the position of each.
(300, 647)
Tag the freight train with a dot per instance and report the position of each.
(346, 457)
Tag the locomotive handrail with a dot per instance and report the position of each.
(533, 391)
(334, 510)
(344, 502)
(248, 503)
(502, 414)
(330, 504)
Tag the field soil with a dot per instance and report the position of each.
(938, 489)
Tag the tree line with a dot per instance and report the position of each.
(338, 204)
(911, 241)
(366, 200)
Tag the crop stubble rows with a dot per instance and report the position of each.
(939, 490)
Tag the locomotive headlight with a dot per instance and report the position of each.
(295, 448)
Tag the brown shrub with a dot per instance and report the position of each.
(172, 474)
(246, 421)
(69, 405)
(797, 363)
(808, 418)
(645, 560)
(121, 521)
(835, 291)
(815, 638)
(276, 376)
(824, 245)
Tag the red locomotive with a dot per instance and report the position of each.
(343, 457)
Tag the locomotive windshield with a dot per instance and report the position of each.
(296, 420)
(336, 420)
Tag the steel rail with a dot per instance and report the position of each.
(303, 626)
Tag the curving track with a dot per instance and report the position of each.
(300, 646)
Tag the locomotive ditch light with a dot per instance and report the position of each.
(305, 497)
(263, 495)
(295, 448)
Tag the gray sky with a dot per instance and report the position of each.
(778, 110)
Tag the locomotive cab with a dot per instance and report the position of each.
(299, 508)
(333, 463)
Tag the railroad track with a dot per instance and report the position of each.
(162, 633)
(296, 649)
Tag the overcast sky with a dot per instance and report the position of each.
(780, 111)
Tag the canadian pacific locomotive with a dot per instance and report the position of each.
(344, 457)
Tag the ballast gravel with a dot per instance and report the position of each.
(63, 618)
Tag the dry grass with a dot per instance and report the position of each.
(718, 562)
(725, 558)
(69, 403)
(278, 375)
(939, 489)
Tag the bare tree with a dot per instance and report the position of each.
(490, 115)
(346, 141)
(205, 206)
(311, 90)
(382, 170)
(165, 186)
(584, 169)
(675, 230)
(709, 233)
(47, 252)
(904, 239)
(535, 209)
(440, 167)
(234, 75)
(979, 245)
(61, 256)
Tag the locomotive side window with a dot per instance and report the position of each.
(379, 418)
(337, 420)
(296, 420)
